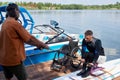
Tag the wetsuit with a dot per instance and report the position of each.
(92, 50)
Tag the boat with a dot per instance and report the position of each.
(50, 34)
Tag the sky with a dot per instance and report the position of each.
(84, 2)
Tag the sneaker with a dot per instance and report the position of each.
(80, 73)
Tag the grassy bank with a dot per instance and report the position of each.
(50, 6)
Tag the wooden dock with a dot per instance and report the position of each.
(42, 71)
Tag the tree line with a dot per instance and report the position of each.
(51, 6)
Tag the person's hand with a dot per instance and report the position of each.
(40, 48)
(90, 64)
(47, 47)
(82, 60)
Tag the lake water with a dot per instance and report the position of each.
(104, 23)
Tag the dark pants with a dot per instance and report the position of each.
(18, 70)
(88, 59)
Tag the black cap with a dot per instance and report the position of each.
(11, 7)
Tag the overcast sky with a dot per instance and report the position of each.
(84, 2)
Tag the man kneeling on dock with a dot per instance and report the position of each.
(91, 49)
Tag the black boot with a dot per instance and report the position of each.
(80, 73)
(83, 70)
(86, 73)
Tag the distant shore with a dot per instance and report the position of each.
(50, 6)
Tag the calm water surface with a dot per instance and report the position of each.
(104, 23)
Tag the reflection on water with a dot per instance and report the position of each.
(112, 53)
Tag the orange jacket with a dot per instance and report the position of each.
(12, 38)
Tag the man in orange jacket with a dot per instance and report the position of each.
(12, 39)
